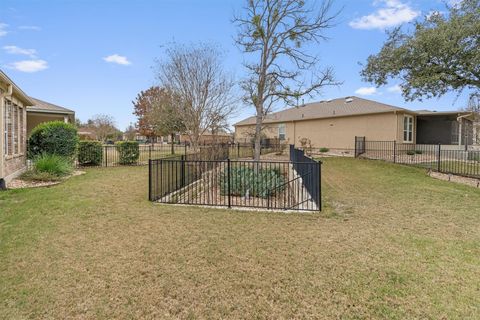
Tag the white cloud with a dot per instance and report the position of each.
(17, 50)
(392, 13)
(29, 65)
(118, 59)
(395, 89)
(3, 29)
(33, 28)
(366, 91)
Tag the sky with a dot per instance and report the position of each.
(95, 56)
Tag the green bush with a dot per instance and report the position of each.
(411, 152)
(55, 137)
(324, 149)
(418, 151)
(474, 156)
(90, 153)
(128, 151)
(263, 183)
(49, 167)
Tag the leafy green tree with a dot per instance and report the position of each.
(440, 54)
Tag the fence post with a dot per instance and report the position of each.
(149, 152)
(106, 155)
(228, 183)
(182, 171)
(319, 185)
(185, 147)
(150, 180)
(238, 150)
(395, 151)
(439, 158)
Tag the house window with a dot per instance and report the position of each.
(13, 130)
(281, 131)
(407, 128)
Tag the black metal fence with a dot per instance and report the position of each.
(113, 155)
(435, 157)
(278, 185)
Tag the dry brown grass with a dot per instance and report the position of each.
(392, 243)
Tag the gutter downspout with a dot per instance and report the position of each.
(2, 136)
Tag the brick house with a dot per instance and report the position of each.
(19, 113)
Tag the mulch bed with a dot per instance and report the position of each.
(20, 183)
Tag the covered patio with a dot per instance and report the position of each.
(453, 129)
(45, 112)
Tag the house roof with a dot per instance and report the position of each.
(46, 107)
(347, 106)
(16, 89)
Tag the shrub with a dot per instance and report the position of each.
(90, 153)
(324, 149)
(418, 151)
(411, 152)
(474, 156)
(54, 137)
(263, 183)
(128, 151)
(49, 167)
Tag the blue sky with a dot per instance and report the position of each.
(95, 56)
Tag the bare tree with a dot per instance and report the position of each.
(202, 90)
(103, 126)
(274, 33)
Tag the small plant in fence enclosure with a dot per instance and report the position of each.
(323, 150)
(90, 153)
(256, 183)
(411, 152)
(418, 151)
(128, 151)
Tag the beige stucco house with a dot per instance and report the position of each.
(19, 114)
(335, 123)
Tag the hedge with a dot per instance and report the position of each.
(128, 151)
(90, 153)
(54, 137)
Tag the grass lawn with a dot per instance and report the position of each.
(391, 243)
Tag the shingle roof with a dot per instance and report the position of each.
(346, 106)
(43, 106)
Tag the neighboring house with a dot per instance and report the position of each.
(42, 111)
(208, 138)
(19, 114)
(335, 123)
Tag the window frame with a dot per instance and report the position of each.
(408, 128)
(282, 127)
(13, 130)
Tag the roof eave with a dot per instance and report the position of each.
(16, 89)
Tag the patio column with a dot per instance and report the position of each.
(65, 119)
(460, 138)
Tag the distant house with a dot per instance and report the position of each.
(19, 114)
(208, 138)
(335, 123)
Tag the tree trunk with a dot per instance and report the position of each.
(172, 135)
(258, 132)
